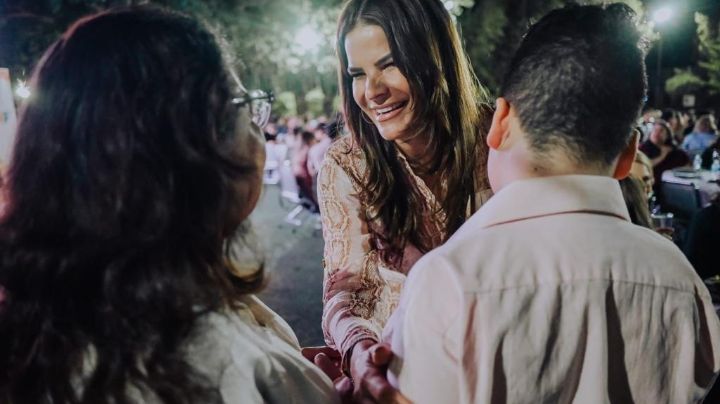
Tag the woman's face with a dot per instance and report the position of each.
(379, 88)
(252, 141)
(658, 135)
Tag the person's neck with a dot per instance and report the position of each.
(527, 167)
(415, 151)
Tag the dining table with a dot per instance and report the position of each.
(705, 181)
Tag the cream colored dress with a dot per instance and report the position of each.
(360, 289)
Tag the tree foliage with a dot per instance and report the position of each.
(264, 37)
(709, 38)
(684, 81)
(261, 36)
(703, 80)
(492, 30)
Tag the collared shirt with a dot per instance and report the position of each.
(548, 294)
(248, 355)
(252, 355)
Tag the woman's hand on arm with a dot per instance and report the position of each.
(369, 369)
(369, 362)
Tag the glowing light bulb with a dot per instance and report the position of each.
(663, 15)
(22, 90)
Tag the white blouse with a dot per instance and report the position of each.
(253, 356)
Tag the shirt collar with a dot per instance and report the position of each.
(545, 196)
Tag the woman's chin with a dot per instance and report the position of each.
(390, 133)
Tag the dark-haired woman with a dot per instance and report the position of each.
(136, 160)
(410, 174)
(663, 152)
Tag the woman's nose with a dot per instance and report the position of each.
(376, 90)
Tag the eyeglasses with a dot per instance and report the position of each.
(260, 105)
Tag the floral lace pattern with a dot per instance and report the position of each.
(360, 289)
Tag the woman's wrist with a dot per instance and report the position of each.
(358, 347)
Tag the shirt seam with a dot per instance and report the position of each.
(502, 289)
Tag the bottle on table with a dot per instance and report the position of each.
(697, 162)
(715, 167)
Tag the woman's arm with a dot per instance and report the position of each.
(352, 284)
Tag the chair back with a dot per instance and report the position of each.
(683, 200)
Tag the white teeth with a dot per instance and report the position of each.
(388, 109)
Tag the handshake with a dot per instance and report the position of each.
(368, 363)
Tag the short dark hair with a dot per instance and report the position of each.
(578, 81)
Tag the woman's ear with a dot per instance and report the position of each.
(499, 129)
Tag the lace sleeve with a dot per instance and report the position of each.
(352, 285)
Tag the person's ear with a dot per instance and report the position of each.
(500, 126)
(627, 157)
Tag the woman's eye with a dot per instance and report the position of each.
(388, 65)
(356, 75)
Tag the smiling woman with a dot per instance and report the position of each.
(379, 88)
(410, 174)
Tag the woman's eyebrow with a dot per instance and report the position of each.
(379, 63)
(352, 70)
(384, 60)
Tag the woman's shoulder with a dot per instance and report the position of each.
(248, 357)
(347, 155)
(240, 338)
(250, 322)
(345, 150)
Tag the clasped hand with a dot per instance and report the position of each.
(368, 366)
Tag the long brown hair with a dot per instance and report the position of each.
(127, 183)
(449, 108)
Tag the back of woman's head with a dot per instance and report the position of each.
(130, 172)
(636, 200)
(446, 108)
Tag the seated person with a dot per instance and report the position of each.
(124, 203)
(642, 170)
(663, 153)
(636, 201)
(548, 293)
(637, 190)
(677, 122)
(702, 137)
